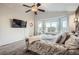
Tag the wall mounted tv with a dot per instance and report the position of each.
(16, 23)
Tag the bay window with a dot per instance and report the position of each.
(54, 25)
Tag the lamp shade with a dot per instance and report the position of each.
(77, 12)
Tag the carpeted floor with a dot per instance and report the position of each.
(17, 48)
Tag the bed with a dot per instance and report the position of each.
(49, 45)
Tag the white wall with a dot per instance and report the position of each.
(8, 34)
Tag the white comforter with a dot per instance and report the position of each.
(50, 38)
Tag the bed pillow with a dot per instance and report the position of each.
(62, 38)
(58, 39)
(65, 36)
(72, 42)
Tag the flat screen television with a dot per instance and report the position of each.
(15, 23)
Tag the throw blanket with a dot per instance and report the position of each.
(41, 47)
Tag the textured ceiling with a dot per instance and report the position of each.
(47, 6)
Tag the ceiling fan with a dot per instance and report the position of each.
(34, 8)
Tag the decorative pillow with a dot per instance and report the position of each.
(76, 34)
(72, 42)
(58, 39)
(62, 38)
(65, 36)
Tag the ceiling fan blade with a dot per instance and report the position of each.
(28, 10)
(35, 13)
(38, 4)
(41, 10)
(26, 6)
(33, 4)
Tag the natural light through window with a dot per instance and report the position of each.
(53, 25)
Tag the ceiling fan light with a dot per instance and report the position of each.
(34, 9)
